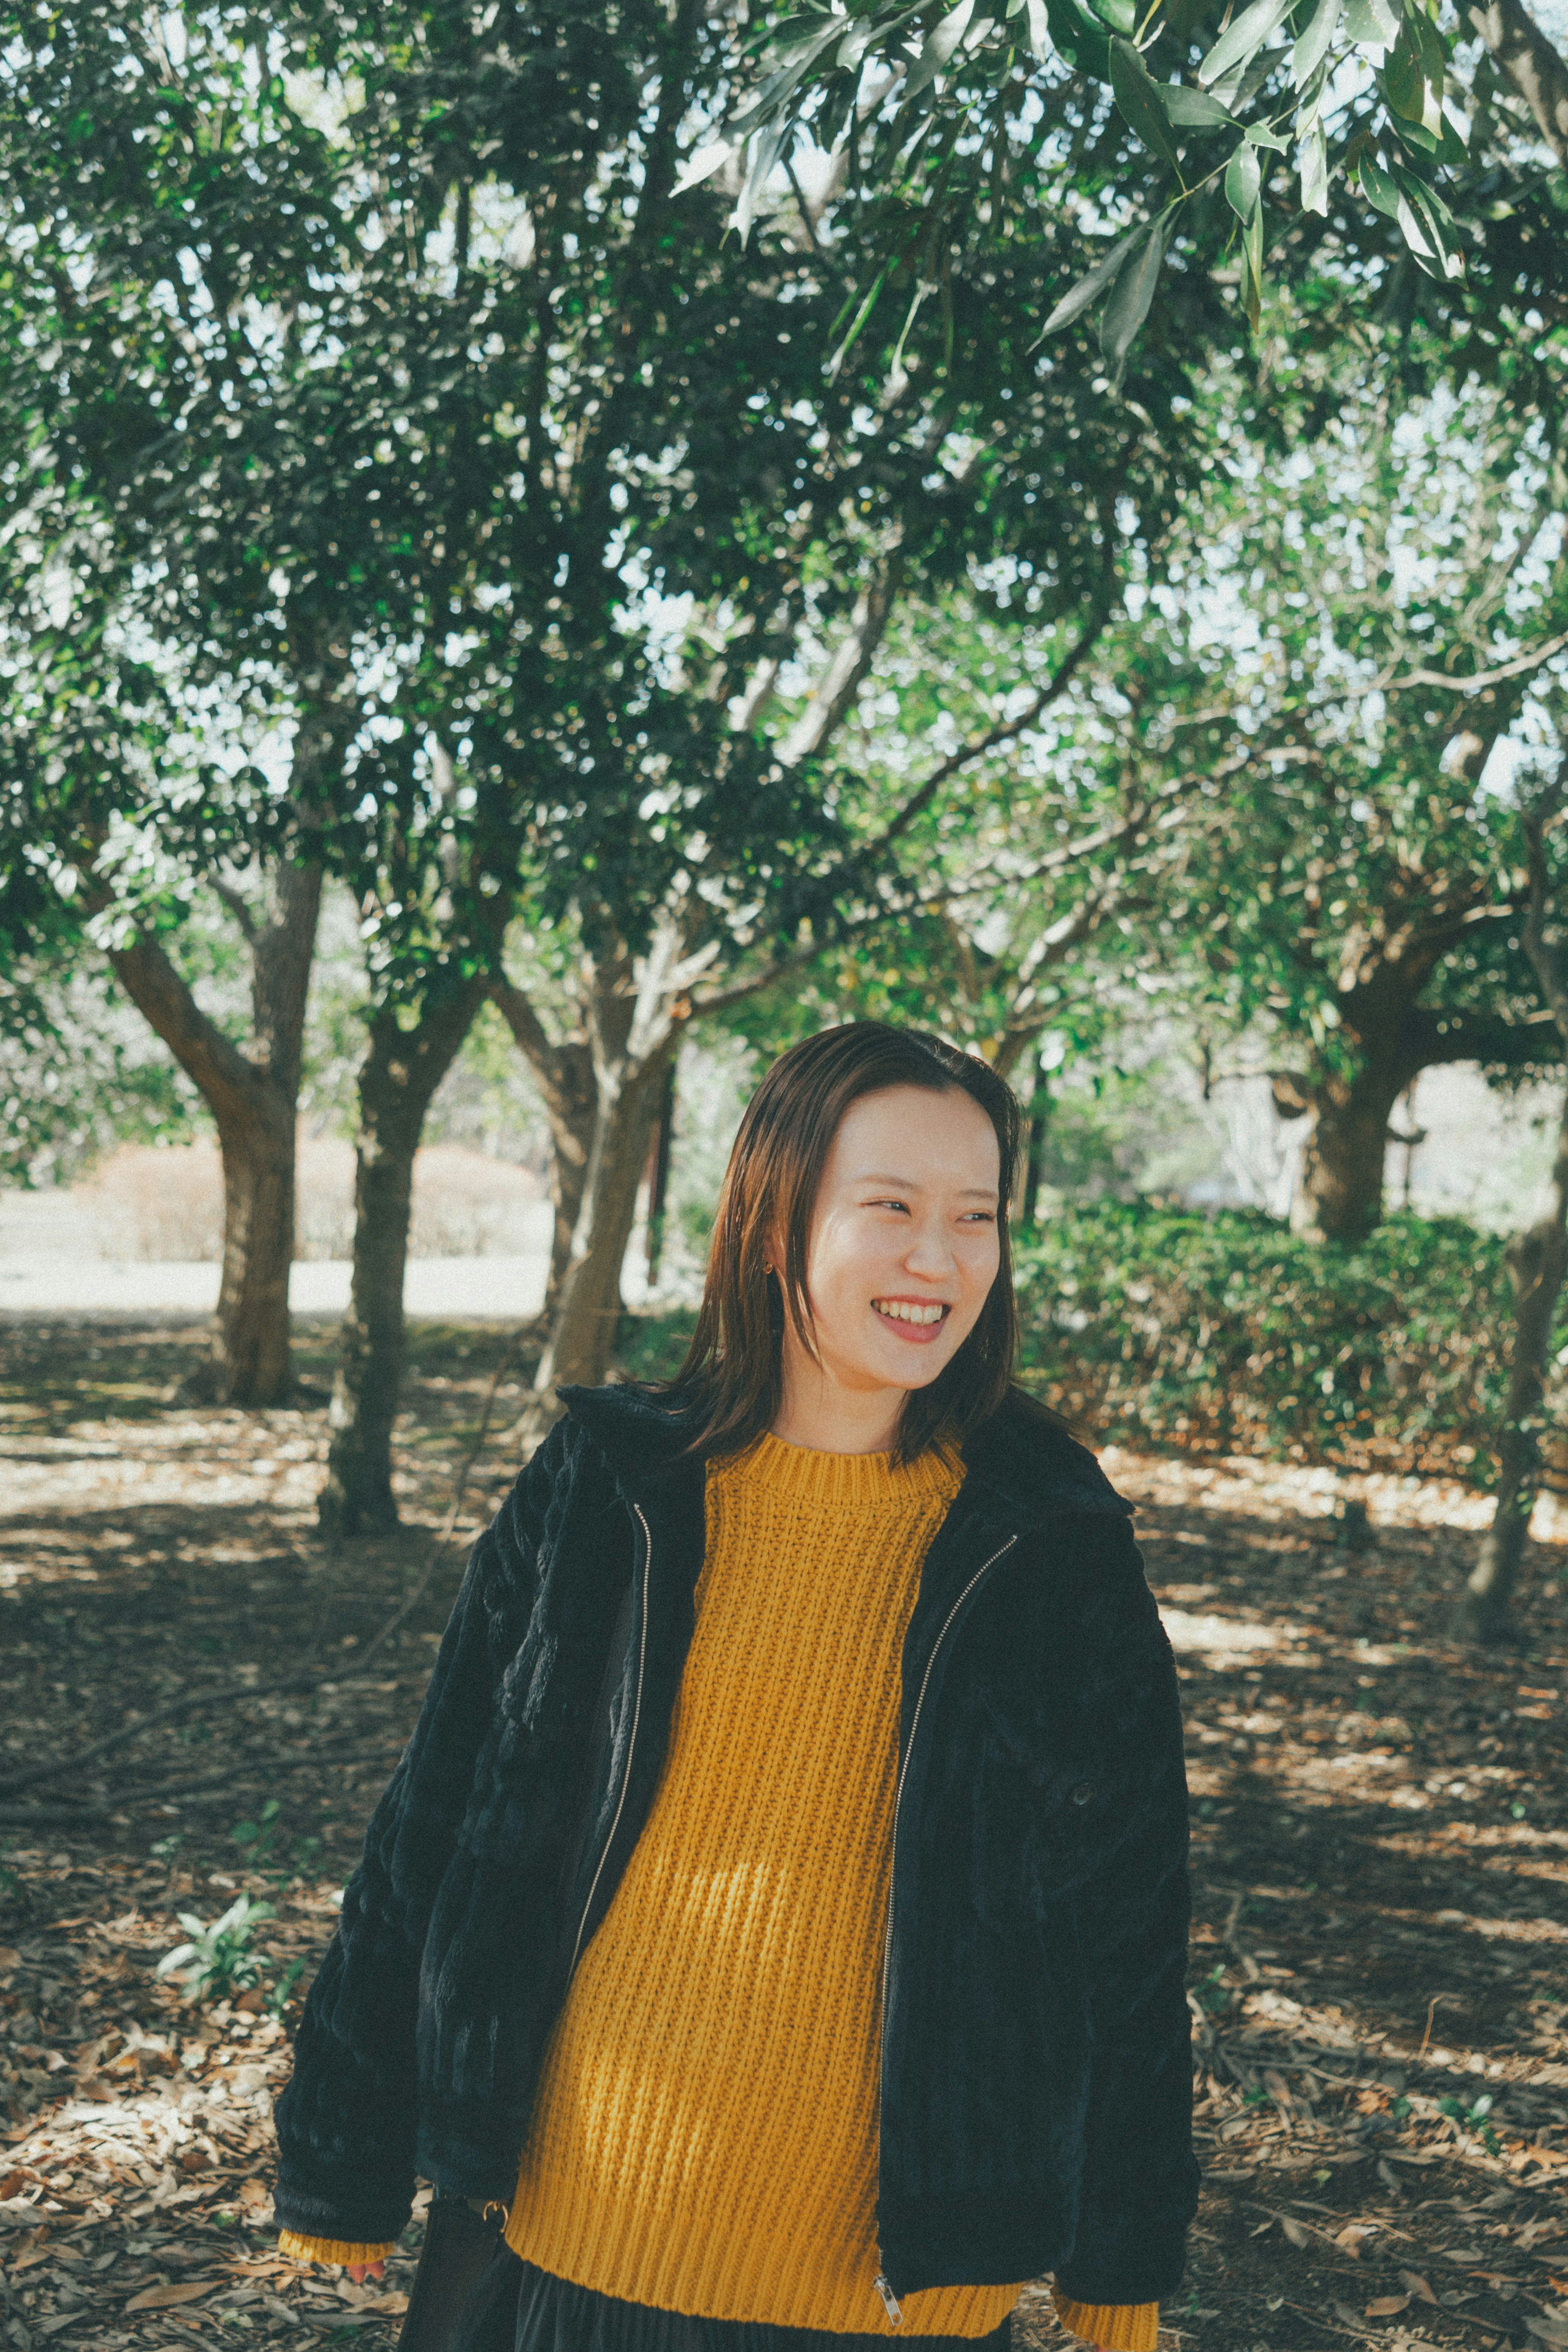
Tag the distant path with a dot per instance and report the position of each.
(52, 1281)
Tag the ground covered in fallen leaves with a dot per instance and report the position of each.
(1380, 1826)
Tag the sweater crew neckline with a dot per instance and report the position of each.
(800, 1473)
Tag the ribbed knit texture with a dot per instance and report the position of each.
(329, 2249)
(705, 2136)
(1116, 2326)
(705, 2133)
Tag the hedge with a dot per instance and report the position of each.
(1225, 1333)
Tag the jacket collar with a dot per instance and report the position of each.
(1022, 1464)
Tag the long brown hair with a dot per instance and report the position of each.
(731, 1378)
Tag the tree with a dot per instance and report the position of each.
(153, 650)
(1404, 593)
(1404, 138)
(113, 821)
(1537, 1263)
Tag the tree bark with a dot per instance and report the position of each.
(1537, 1263)
(582, 1336)
(1531, 63)
(1339, 1193)
(659, 1148)
(253, 1099)
(400, 1075)
(564, 1076)
(634, 1015)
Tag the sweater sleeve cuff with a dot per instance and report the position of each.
(329, 2249)
(1118, 2326)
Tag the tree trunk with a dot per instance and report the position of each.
(582, 1335)
(400, 1073)
(251, 1344)
(634, 1031)
(659, 1148)
(1339, 1193)
(253, 1099)
(564, 1076)
(1537, 1263)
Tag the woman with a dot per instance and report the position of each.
(776, 1920)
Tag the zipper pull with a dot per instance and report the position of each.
(890, 2301)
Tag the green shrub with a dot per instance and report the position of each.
(1225, 1333)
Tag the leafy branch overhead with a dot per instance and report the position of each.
(1278, 107)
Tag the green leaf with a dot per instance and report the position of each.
(1137, 96)
(702, 165)
(1079, 37)
(1038, 29)
(1244, 39)
(1378, 188)
(1453, 148)
(1371, 24)
(1413, 76)
(1192, 110)
(1252, 261)
(1314, 45)
(1259, 135)
(1312, 162)
(1079, 297)
(1428, 227)
(1118, 16)
(1243, 182)
(940, 44)
(1127, 304)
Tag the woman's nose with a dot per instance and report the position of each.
(930, 1253)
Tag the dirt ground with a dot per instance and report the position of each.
(1380, 1838)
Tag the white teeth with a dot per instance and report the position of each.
(901, 1311)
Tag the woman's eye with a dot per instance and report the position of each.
(902, 1206)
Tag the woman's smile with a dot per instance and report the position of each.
(919, 1319)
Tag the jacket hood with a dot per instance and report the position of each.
(1028, 1468)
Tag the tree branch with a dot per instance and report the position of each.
(1543, 956)
(845, 674)
(1528, 60)
(1465, 1037)
(213, 1064)
(1005, 732)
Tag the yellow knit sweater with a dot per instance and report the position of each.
(703, 2135)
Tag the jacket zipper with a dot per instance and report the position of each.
(630, 1743)
(884, 2288)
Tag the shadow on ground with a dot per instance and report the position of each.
(1380, 1843)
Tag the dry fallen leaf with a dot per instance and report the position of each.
(1294, 2231)
(158, 2299)
(1383, 2306)
(1417, 2286)
(393, 2302)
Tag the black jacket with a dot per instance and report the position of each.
(1036, 2081)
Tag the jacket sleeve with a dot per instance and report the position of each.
(346, 2121)
(1140, 2175)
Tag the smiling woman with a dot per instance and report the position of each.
(774, 1932)
(860, 1292)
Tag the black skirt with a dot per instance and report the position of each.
(518, 2308)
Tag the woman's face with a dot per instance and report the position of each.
(903, 1245)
